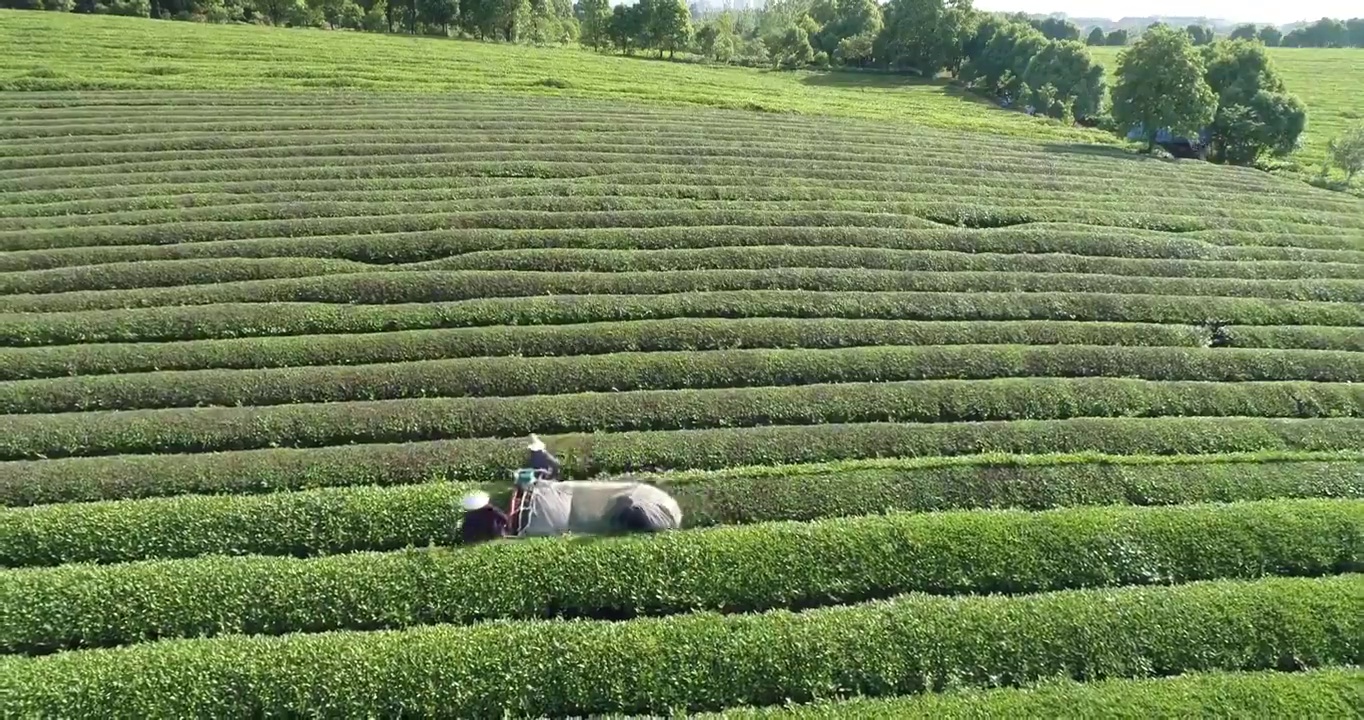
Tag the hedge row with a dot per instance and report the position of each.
(707, 662)
(174, 272)
(738, 569)
(336, 520)
(1323, 693)
(673, 334)
(265, 319)
(191, 430)
(385, 288)
(926, 215)
(194, 271)
(585, 455)
(1037, 206)
(427, 245)
(172, 232)
(141, 203)
(561, 259)
(616, 372)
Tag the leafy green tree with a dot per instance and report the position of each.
(1347, 152)
(856, 50)
(718, 39)
(1096, 37)
(1117, 38)
(793, 48)
(352, 17)
(1271, 36)
(1054, 28)
(130, 8)
(670, 26)
(376, 17)
(1000, 66)
(1199, 34)
(1243, 32)
(438, 13)
(1355, 30)
(1076, 83)
(839, 19)
(927, 35)
(594, 20)
(627, 24)
(1160, 85)
(1255, 114)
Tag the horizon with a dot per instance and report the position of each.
(1259, 12)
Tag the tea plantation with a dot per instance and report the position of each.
(963, 424)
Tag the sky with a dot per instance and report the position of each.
(1263, 11)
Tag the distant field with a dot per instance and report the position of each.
(1327, 80)
(71, 51)
(948, 413)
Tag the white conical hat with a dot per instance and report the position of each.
(475, 500)
(536, 444)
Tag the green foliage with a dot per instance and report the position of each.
(1096, 37)
(1200, 34)
(1247, 31)
(722, 569)
(305, 523)
(595, 21)
(925, 35)
(1255, 114)
(1347, 152)
(590, 454)
(304, 425)
(668, 25)
(705, 661)
(335, 520)
(1161, 86)
(1076, 83)
(1117, 38)
(1055, 28)
(1332, 692)
(1270, 36)
(509, 376)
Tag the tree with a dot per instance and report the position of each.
(627, 24)
(1347, 152)
(1054, 28)
(1243, 32)
(1117, 38)
(840, 19)
(999, 68)
(438, 13)
(1076, 84)
(1161, 86)
(928, 35)
(1255, 115)
(1096, 37)
(856, 50)
(670, 26)
(793, 48)
(1270, 36)
(1355, 31)
(594, 20)
(1199, 34)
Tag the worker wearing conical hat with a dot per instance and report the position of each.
(483, 521)
(542, 459)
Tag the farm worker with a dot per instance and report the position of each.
(482, 520)
(541, 459)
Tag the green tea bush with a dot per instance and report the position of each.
(738, 569)
(705, 661)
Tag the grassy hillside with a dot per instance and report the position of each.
(948, 413)
(1327, 80)
(69, 51)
